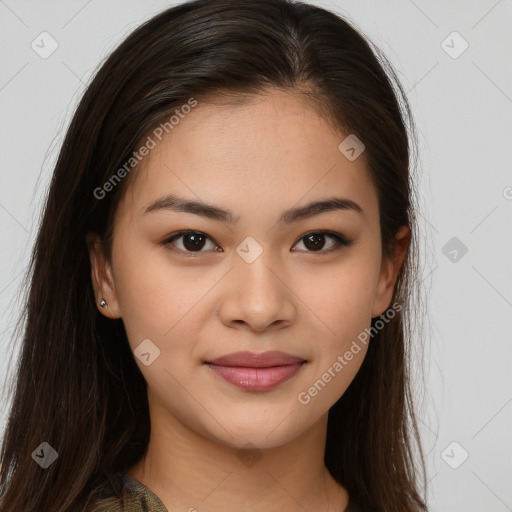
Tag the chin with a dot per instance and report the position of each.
(270, 435)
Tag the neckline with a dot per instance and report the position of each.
(134, 483)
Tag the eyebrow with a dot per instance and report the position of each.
(181, 204)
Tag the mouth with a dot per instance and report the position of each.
(256, 372)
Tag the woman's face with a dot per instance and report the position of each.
(244, 278)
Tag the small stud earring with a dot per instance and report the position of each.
(103, 304)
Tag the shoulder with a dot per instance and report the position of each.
(110, 495)
(108, 505)
(124, 493)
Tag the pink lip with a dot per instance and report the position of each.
(256, 372)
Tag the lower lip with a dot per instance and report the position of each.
(256, 379)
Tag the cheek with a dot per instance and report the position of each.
(154, 296)
(339, 299)
(339, 305)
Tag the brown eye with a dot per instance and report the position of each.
(192, 241)
(316, 241)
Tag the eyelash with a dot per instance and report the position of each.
(341, 241)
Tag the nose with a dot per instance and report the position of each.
(258, 296)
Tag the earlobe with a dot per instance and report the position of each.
(102, 278)
(390, 267)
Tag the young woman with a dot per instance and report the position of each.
(222, 286)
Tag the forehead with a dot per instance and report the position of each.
(264, 152)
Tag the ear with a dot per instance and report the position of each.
(389, 270)
(102, 277)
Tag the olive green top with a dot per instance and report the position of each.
(138, 498)
(133, 497)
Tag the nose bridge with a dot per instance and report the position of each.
(254, 260)
(257, 295)
(256, 271)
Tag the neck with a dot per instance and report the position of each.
(190, 472)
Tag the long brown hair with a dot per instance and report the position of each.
(77, 386)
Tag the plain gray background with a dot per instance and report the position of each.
(462, 103)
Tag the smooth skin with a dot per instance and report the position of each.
(198, 302)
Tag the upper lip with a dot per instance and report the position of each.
(254, 360)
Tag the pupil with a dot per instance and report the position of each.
(197, 241)
(319, 243)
